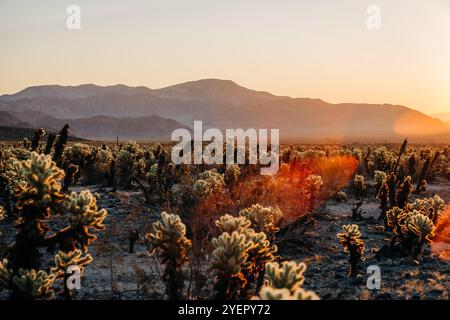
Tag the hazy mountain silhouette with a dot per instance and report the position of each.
(222, 104)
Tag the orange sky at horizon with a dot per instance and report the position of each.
(317, 49)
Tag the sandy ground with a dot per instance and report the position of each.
(117, 274)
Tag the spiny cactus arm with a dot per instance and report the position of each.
(288, 274)
(73, 258)
(34, 284)
(84, 216)
(229, 224)
(263, 219)
(168, 239)
(230, 253)
(40, 187)
(421, 226)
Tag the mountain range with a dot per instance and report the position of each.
(105, 112)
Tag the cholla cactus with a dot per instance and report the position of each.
(351, 242)
(229, 224)
(34, 284)
(395, 219)
(263, 219)
(208, 182)
(259, 255)
(432, 207)
(31, 284)
(232, 173)
(404, 192)
(261, 252)
(420, 229)
(288, 275)
(84, 215)
(378, 178)
(269, 293)
(40, 187)
(37, 196)
(383, 195)
(313, 185)
(169, 241)
(64, 260)
(230, 255)
(359, 186)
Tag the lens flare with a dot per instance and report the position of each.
(441, 242)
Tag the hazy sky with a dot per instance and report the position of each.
(317, 48)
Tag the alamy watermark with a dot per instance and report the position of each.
(73, 21)
(374, 17)
(374, 280)
(236, 147)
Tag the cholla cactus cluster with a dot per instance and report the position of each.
(168, 240)
(284, 281)
(263, 219)
(240, 253)
(415, 225)
(432, 207)
(351, 242)
(28, 284)
(232, 173)
(313, 185)
(208, 182)
(37, 197)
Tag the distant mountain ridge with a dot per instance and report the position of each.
(221, 104)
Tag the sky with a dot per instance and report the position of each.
(317, 49)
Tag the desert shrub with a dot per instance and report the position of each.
(351, 242)
(169, 241)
